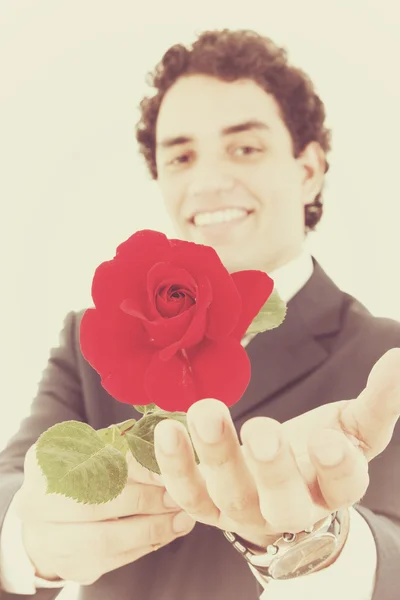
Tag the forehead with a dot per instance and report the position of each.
(200, 106)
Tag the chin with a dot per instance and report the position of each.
(234, 264)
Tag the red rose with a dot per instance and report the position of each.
(168, 321)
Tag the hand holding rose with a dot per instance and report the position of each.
(76, 542)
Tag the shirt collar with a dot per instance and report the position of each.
(291, 277)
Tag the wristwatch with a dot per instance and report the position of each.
(295, 554)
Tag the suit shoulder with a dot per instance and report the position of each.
(368, 328)
(69, 335)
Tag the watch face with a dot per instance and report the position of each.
(303, 558)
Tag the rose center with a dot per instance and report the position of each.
(177, 292)
(173, 300)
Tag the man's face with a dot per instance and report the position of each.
(227, 173)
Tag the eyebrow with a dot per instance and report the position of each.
(251, 125)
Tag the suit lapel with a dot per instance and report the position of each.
(284, 355)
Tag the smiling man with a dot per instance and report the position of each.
(306, 504)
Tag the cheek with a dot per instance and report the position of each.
(169, 199)
(172, 195)
(277, 188)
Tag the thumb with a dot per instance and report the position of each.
(372, 417)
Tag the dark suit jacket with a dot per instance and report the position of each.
(322, 353)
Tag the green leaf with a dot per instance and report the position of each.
(141, 441)
(271, 315)
(125, 425)
(141, 438)
(146, 408)
(80, 464)
(114, 435)
(177, 416)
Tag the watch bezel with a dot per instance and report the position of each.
(263, 559)
(293, 555)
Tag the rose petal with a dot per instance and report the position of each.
(255, 287)
(169, 384)
(117, 280)
(106, 339)
(130, 307)
(168, 331)
(126, 382)
(149, 244)
(119, 353)
(220, 370)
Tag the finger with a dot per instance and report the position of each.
(285, 500)
(182, 524)
(103, 539)
(229, 481)
(182, 477)
(135, 499)
(87, 574)
(342, 470)
(86, 551)
(372, 416)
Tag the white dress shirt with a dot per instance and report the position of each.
(351, 577)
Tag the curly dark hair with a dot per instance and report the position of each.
(229, 56)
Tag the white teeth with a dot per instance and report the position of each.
(219, 216)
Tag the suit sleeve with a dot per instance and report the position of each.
(380, 506)
(59, 398)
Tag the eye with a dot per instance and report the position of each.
(179, 160)
(246, 150)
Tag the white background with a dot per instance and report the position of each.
(72, 185)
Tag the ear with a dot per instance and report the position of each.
(312, 163)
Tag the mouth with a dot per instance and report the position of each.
(218, 217)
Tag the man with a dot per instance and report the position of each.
(236, 139)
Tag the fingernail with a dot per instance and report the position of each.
(329, 455)
(182, 522)
(264, 448)
(209, 428)
(169, 502)
(168, 439)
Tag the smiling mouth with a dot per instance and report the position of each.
(216, 217)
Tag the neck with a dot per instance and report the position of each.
(281, 260)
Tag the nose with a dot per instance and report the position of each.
(206, 183)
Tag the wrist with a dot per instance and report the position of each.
(342, 542)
